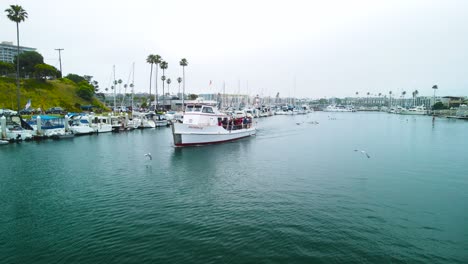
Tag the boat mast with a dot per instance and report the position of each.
(115, 88)
(133, 80)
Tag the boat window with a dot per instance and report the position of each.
(189, 108)
(207, 110)
(197, 108)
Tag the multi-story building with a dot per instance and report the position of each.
(8, 51)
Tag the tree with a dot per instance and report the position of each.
(150, 59)
(6, 68)
(28, 60)
(17, 14)
(415, 95)
(434, 87)
(168, 91)
(85, 90)
(163, 65)
(45, 71)
(75, 77)
(168, 81)
(179, 80)
(403, 94)
(183, 62)
(439, 106)
(157, 61)
(193, 96)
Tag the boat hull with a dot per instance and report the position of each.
(189, 135)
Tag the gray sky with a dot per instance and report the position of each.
(331, 47)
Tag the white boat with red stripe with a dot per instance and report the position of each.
(204, 124)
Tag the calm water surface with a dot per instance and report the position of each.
(292, 194)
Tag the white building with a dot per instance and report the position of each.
(8, 51)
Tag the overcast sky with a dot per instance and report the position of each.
(298, 48)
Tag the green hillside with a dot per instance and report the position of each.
(44, 94)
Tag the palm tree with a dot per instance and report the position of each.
(179, 80)
(168, 91)
(416, 92)
(151, 60)
(390, 96)
(163, 65)
(183, 62)
(403, 94)
(380, 102)
(368, 98)
(17, 14)
(434, 87)
(157, 61)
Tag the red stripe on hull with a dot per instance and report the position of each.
(208, 143)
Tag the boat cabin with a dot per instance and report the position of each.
(201, 115)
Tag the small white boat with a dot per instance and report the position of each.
(144, 120)
(79, 125)
(4, 142)
(160, 120)
(204, 124)
(101, 124)
(13, 128)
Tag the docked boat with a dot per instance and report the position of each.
(144, 120)
(160, 120)
(338, 108)
(418, 110)
(46, 126)
(205, 124)
(14, 128)
(79, 125)
(462, 112)
(101, 124)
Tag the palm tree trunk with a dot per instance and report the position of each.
(151, 75)
(164, 98)
(17, 68)
(156, 84)
(183, 89)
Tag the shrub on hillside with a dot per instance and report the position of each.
(85, 90)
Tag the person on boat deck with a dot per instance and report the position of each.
(245, 121)
(225, 122)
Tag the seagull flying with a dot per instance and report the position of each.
(149, 156)
(363, 152)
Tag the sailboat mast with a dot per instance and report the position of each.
(133, 80)
(115, 89)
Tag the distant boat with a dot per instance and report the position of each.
(204, 124)
(462, 112)
(338, 108)
(418, 110)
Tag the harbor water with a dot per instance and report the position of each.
(297, 192)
